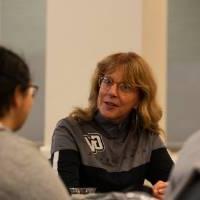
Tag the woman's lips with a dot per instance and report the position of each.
(110, 104)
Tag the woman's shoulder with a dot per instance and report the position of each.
(19, 158)
(12, 139)
(68, 134)
(66, 121)
(70, 123)
(155, 140)
(16, 148)
(71, 127)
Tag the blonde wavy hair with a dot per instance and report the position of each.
(136, 72)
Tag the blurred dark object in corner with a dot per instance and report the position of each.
(191, 190)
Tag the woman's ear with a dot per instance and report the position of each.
(17, 98)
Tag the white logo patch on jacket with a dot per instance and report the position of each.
(95, 142)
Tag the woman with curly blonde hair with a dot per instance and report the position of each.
(114, 143)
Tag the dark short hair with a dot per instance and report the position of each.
(14, 72)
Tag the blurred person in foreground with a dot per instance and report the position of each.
(115, 143)
(24, 173)
(184, 182)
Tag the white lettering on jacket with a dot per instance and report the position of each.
(95, 142)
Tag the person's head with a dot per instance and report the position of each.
(16, 89)
(123, 82)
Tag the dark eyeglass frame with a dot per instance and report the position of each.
(108, 82)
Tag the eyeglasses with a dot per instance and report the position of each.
(107, 82)
(35, 89)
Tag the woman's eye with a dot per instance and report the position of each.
(125, 87)
(107, 81)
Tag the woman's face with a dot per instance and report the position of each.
(116, 97)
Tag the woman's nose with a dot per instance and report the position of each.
(113, 90)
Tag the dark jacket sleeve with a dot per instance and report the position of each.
(65, 155)
(68, 167)
(160, 165)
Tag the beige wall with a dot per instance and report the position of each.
(155, 45)
(80, 33)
